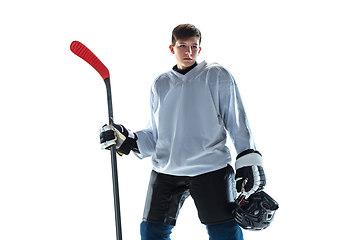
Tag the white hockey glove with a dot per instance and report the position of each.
(118, 135)
(250, 177)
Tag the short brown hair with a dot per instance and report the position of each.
(184, 32)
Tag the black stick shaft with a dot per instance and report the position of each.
(114, 166)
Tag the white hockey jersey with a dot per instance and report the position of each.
(190, 117)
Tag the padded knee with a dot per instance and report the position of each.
(155, 231)
(225, 231)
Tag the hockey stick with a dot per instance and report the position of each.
(84, 53)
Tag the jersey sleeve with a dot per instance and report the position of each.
(234, 115)
(147, 137)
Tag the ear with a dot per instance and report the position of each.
(199, 50)
(171, 47)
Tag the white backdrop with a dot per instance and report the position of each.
(297, 67)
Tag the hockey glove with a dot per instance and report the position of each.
(118, 135)
(250, 177)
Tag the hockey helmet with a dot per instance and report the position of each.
(256, 212)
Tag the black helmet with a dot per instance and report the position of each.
(256, 212)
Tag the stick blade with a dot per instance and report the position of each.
(88, 56)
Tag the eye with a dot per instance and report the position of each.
(194, 47)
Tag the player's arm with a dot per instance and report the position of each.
(249, 162)
(147, 137)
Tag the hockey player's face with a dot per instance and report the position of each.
(186, 52)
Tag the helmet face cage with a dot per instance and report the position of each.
(256, 212)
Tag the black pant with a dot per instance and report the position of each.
(213, 193)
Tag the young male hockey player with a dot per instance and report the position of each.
(193, 106)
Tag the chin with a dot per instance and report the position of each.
(188, 63)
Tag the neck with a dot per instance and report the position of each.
(185, 70)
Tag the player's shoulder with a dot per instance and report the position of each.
(216, 68)
(164, 81)
(218, 71)
(213, 65)
(163, 77)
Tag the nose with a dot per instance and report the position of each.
(188, 51)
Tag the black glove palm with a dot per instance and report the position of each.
(250, 177)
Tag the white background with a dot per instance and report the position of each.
(297, 67)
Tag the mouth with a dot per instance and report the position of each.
(188, 59)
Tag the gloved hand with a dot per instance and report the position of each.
(118, 135)
(250, 176)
